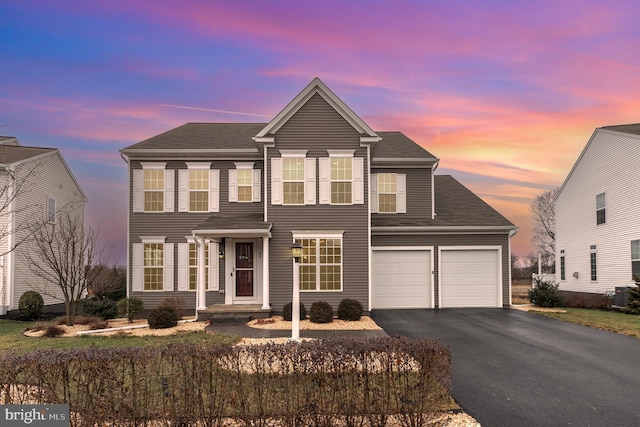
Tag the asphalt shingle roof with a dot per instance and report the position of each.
(455, 205)
(11, 153)
(633, 128)
(398, 145)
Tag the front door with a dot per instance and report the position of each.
(244, 270)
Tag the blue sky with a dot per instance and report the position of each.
(505, 93)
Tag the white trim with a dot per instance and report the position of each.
(293, 153)
(153, 239)
(277, 189)
(432, 283)
(198, 165)
(497, 248)
(310, 181)
(169, 190)
(138, 190)
(318, 235)
(369, 253)
(341, 153)
(316, 87)
(214, 190)
(244, 165)
(328, 234)
(324, 171)
(233, 185)
(183, 190)
(255, 192)
(153, 165)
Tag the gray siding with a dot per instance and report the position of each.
(437, 240)
(176, 225)
(418, 192)
(317, 127)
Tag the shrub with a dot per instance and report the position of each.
(30, 305)
(53, 331)
(321, 312)
(349, 309)
(103, 308)
(162, 318)
(545, 293)
(584, 300)
(633, 306)
(287, 310)
(129, 307)
(98, 324)
(175, 304)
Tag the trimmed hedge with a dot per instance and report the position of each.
(350, 310)
(310, 383)
(162, 317)
(321, 312)
(30, 305)
(287, 312)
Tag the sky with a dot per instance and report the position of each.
(505, 93)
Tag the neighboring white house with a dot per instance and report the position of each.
(35, 185)
(598, 214)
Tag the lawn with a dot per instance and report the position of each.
(625, 324)
(11, 338)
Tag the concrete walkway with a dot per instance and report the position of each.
(242, 330)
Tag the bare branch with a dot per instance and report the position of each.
(544, 227)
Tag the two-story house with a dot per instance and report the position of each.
(215, 208)
(36, 184)
(598, 214)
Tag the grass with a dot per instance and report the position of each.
(11, 338)
(625, 324)
(520, 291)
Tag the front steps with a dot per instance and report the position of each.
(240, 313)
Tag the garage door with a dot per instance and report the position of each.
(470, 278)
(401, 279)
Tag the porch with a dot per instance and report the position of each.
(233, 313)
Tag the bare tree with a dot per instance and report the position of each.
(67, 257)
(544, 223)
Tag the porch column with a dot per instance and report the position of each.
(265, 273)
(201, 298)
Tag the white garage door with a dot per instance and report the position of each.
(401, 279)
(470, 278)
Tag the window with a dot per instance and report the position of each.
(387, 192)
(193, 265)
(293, 180)
(341, 176)
(154, 190)
(601, 216)
(153, 266)
(51, 210)
(244, 183)
(321, 264)
(594, 270)
(563, 269)
(635, 260)
(198, 190)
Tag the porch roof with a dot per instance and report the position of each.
(233, 226)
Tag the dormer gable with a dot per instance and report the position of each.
(367, 135)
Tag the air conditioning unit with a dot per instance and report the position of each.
(575, 274)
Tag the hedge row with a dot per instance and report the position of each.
(311, 383)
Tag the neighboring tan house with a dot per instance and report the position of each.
(35, 185)
(598, 214)
(375, 223)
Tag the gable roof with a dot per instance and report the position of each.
(10, 154)
(632, 130)
(367, 135)
(456, 207)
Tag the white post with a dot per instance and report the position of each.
(265, 273)
(201, 298)
(295, 305)
(539, 265)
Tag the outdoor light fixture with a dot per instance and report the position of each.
(221, 255)
(296, 253)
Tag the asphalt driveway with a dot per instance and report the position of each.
(512, 368)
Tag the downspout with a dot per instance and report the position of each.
(10, 258)
(369, 223)
(126, 160)
(511, 234)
